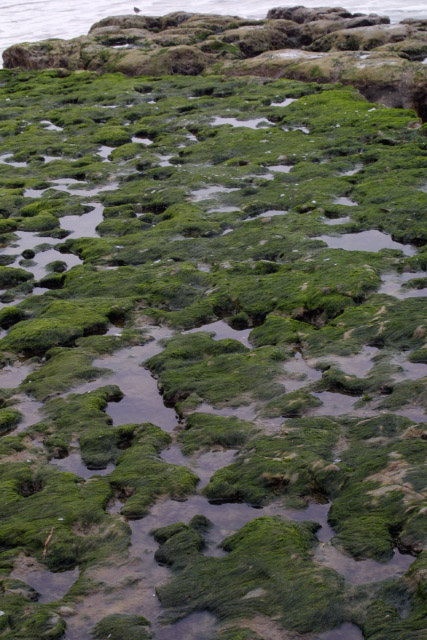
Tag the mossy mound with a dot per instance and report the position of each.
(267, 556)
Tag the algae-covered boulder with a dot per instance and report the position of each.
(10, 276)
(122, 627)
(60, 324)
(9, 419)
(142, 483)
(269, 558)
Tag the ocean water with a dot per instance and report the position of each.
(31, 20)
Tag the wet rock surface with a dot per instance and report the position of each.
(213, 382)
(388, 68)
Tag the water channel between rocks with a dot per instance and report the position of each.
(372, 240)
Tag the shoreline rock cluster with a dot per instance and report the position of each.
(383, 61)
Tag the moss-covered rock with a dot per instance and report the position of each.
(122, 627)
(141, 483)
(269, 557)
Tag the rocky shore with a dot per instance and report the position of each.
(383, 61)
(213, 359)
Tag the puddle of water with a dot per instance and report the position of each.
(372, 240)
(333, 404)
(416, 414)
(45, 257)
(174, 455)
(243, 412)
(11, 376)
(104, 152)
(222, 331)
(51, 126)
(114, 330)
(164, 161)
(226, 518)
(222, 209)
(204, 465)
(114, 506)
(299, 374)
(142, 402)
(292, 54)
(29, 240)
(285, 103)
(346, 631)
(33, 193)
(392, 283)
(346, 202)
(4, 159)
(210, 192)
(363, 571)
(84, 226)
(280, 168)
(68, 185)
(196, 626)
(178, 237)
(357, 365)
(51, 158)
(333, 221)
(267, 214)
(39, 291)
(317, 512)
(115, 597)
(138, 140)
(51, 586)
(352, 172)
(410, 370)
(30, 410)
(74, 463)
(253, 123)
(25, 240)
(209, 462)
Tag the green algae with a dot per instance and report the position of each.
(269, 467)
(122, 627)
(216, 371)
(141, 476)
(66, 367)
(267, 554)
(205, 430)
(9, 418)
(61, 323)
(160, 257)
(369, 513)
(10, 277)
